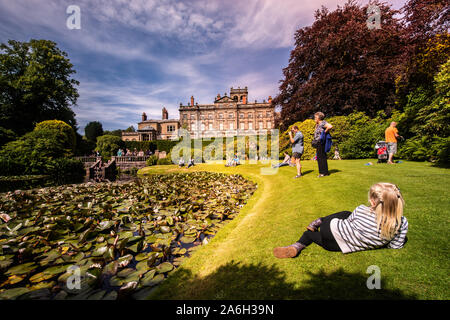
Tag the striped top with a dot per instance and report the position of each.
(359, 232)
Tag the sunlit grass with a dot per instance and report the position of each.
(238, 263)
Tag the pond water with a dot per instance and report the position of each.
(124, 237)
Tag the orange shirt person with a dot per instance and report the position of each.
(390, 136)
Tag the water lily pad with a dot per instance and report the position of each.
(11, 294)
(164, 267)
(22, 269)
(185, 239)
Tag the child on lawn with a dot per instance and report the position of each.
(380, 225)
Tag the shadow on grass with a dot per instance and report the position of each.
(257, 281)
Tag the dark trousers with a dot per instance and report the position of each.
(324, 237)
(322, 159)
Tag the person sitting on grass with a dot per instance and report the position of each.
(380, 225)
(236, 160)
(191, 163)
(181, 162)
(286, 161)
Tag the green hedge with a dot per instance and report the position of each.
(66, 171)
(12, 183)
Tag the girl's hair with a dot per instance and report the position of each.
(389, 205)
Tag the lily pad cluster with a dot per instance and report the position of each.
(110, 240)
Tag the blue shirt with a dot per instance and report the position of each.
(297, 145)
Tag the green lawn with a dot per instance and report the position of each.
(238, 263)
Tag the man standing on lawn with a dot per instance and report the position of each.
(390, 136)
(297, 148)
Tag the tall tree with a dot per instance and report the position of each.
(93, 130)
(339, 65)
(36, 84)
(427, 45)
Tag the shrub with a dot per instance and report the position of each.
(140, 145)
(23, 182)
(165, 145)
(11, 167)
(108, 145)
(66, 133)
(164, 161)
(152, 160)
(66, 171)
(35, 149)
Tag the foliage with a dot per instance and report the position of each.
(117, 132)
(93, 130)
(11, 183)
(130, 129)
(36, 148)
(66, 171)
(108, 145)
(340, 66)
(164, 161)
(63, 128)
(140, 145)
(11, 167)
(36, 84)
(141, 231)
(427, 116)
(165, 145)
(6, 135)
(152, 160)
(84, 146)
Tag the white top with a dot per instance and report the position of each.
(359, 232)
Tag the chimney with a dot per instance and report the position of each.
(270, 99)
(192, 100)
(244, 99)
(165, 114)
(144, 117)
(218, 96)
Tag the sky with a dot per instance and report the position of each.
(135, 56)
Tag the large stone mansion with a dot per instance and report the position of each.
(231, 115)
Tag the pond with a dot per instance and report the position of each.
(110, 240)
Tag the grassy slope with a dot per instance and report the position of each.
(238, 263)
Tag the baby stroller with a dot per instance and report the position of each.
(382, 152)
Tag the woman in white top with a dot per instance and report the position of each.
(380, 225)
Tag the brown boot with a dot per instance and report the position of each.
(288, 252)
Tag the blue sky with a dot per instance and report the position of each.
(133, 56)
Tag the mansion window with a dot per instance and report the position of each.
(230, 116)
(202, 117)
(241, 116)
(170, 128)
(210, 116)
(210, 127)
(250, 126)
(250, 115)
(221, 126)
(203, 127)
(268, 114)
(242, 126)
(220, 116)
(260, 115)
(192, 116)
(185, 116)
(231, 126)
(269, 125)
(260, 125)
